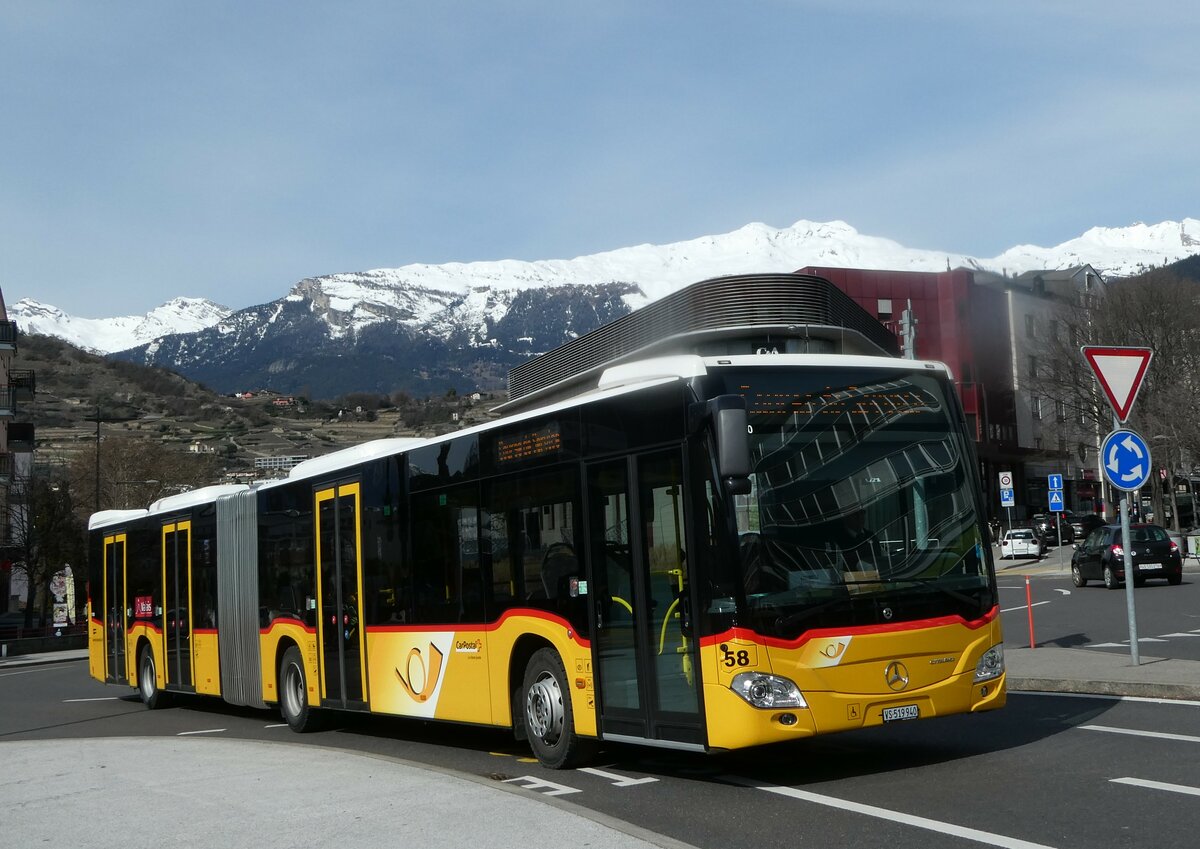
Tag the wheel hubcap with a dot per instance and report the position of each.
(148, 682)
(544, 708)
(293, 692)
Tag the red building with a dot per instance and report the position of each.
(963, 321)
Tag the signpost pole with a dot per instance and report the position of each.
(1127, 549)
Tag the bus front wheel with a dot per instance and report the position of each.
(293, 693)
(549, 723)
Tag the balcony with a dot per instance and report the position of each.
(20, 437)
(8, 336)
(24, 384)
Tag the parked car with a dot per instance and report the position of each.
(1101, 557)
(1021, 542)
(1083, 523)
(12, 626)
(1046, 525)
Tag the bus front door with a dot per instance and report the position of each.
(177, 607)
(114, 610)
(343, 670)
(645, 653)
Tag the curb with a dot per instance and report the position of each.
(1133, 689)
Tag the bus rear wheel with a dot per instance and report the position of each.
(293, 693)
(147, 678)
(549, 722)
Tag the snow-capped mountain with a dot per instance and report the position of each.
(105, 335)
(430, 327)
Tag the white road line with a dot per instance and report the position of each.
(205, 731)
(1023, 606)
(1110, 698)
(1160, 735)
(1158, 785)
(539, 785)
(891, 816)
(101, 699)
(617, 780)
(277, 725)
(1180, 634)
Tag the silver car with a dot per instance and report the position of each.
(1021, 542)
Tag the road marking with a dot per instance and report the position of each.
(1143, 699)
(101, 699)
(552, 789)
(1064, 592)
(277, 725)
(205, 731)
(1124, 644)
(1161, 735)
(1158, 785)
(1024, 606)
(618, 780)
(892, 816)
(1180, 634)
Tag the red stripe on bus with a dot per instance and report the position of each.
(890, 628)
(488, 626)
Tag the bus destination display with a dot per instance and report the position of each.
(529, 444)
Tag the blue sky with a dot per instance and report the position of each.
(228, 149)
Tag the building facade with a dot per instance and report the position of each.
(990, 329)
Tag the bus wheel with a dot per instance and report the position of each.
(548, 720)
(293, 693)
(147, 678)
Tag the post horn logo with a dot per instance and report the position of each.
(896, 675)
(834, 650)
(426, 677)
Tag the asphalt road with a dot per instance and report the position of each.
(1048, 771)
(1093, 618)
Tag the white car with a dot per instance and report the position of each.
(1021, 542)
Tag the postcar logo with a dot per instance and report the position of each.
(468, 646)
(834, 650)
(426, 677)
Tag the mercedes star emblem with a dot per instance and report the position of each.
(896, 675)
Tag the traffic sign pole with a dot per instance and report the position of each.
(1127, 549)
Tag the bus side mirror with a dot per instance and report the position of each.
(730, 423)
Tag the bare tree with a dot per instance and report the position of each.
(1159, 311)
(134, 472)
(46, 534)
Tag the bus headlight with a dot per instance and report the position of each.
(991, 665)
(767, 691)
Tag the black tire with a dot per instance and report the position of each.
(293, 694)
(1175, 580)
(547, 716)
(1110, 579)
(147, 677)
(1139, 582)
(1077, 576)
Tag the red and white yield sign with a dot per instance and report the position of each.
(1120, 372)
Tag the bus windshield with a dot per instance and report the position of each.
(862, 508)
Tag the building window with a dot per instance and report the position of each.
(1033, 366)
(1035, 406)
(1060, 410)
(883, 309)
(1037, 443)
(1030, 326)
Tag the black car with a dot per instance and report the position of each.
(1083, 523)
(1101, 557)
(1045, 525)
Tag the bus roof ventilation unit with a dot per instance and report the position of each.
(791, 313)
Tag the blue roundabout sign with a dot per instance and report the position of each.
(1126, 458)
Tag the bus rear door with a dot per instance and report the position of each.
(114, 613)
(343, 668)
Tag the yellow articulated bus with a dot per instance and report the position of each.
(699, 553)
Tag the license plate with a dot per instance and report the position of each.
(1148, 567)
(894, 714)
